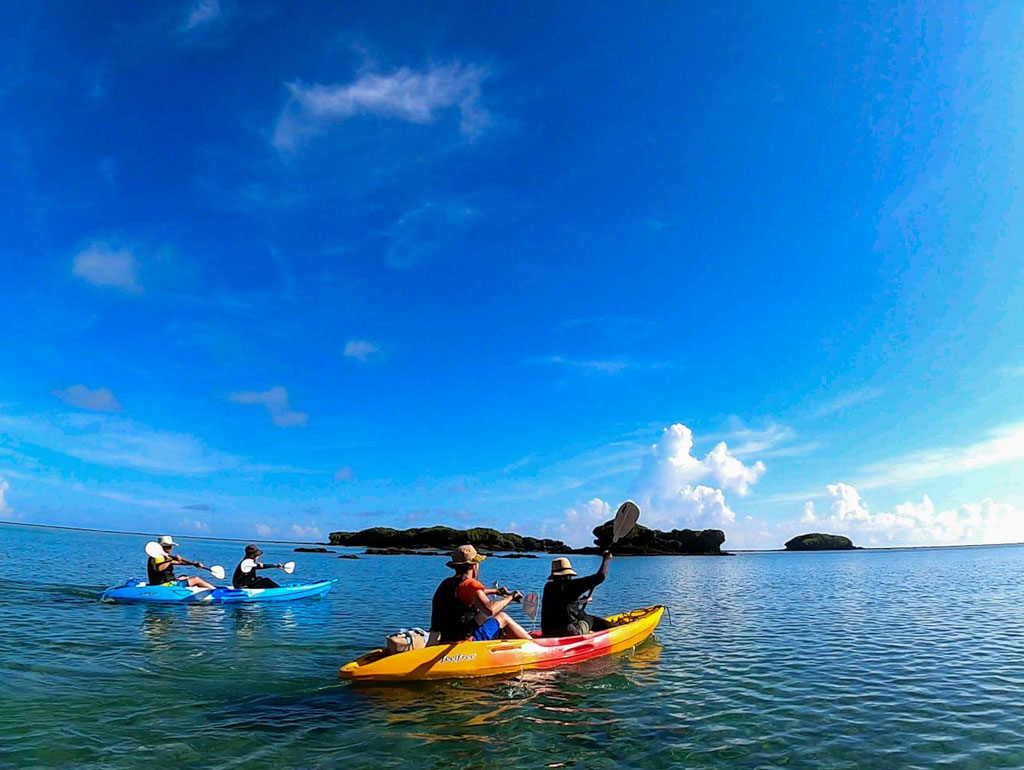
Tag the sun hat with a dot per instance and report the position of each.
(166, 540)
(252, 551)
(561, 566)
(465, 554)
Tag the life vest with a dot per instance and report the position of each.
(157, 577)
(449, 616)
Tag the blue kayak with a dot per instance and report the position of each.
(140, 592)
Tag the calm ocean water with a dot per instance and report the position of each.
(898, 659)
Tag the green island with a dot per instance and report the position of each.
(642, 541)
(817, 541)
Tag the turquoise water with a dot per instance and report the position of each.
(901, 659)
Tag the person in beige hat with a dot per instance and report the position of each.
(160, 570)
(562, 613)
(461, 608)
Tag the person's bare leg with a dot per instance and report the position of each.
(512, 629)
(198, 582)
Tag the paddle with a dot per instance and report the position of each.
(155, 550)
(248, 565)
(531, 603)
(625, 519)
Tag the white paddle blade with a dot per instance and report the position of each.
(217, 571)
(154, 550)
(531, 603)
(248, 565)
(289, 567)
(625, 519)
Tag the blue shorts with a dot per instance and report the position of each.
(489, 630)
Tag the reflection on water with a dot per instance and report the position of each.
(895, 659)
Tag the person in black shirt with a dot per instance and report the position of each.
(561, 613)
(250, 579)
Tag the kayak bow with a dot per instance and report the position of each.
(140, 592)
(504, 656)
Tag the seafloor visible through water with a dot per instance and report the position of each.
(868, 659)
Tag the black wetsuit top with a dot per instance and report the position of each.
(250, 579)
(558, 608)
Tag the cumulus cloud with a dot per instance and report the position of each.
(106, 264)
(263, 530)
(670, 466)
(668, 489)
(276, 402)
(360, 350)
(4, 508)
(98, 400)
(404, 94)
(195, 525)
(913, 523)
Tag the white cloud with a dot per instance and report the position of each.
(202, 13)
(1005, 445)
(4, 508)
(670, 466)
(194, 525)
(311, 532)
(276, 402)
(98, 400)
(415, 97)
(263, 530)
(844, 401)
(345, 473)
(668, 491)
(120, 443)
(604, 366)
(913, 523)
(105, 264)
(360, 350)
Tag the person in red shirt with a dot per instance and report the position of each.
(462, 609)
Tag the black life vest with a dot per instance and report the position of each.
(449, 615)
(243, 579)
(156, 577)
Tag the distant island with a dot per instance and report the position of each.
(424, 541)
(653, 542)
(817, 541)
(446, 539)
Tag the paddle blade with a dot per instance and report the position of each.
(248, 565)
(289, 567)
(531, 603)
(217, 571)
(154, 551)
(625, 519)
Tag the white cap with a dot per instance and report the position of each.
(166, 540)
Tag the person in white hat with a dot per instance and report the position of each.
(160, 570)
(461, 609)
(562, 613)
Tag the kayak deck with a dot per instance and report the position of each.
(504, 656)
(140, 592)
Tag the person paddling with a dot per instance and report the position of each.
(561, 612)
(461, 608)
(243, 579)
(160, 569)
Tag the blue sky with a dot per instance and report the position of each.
(271, 270)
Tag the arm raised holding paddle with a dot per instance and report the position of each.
(563, 611)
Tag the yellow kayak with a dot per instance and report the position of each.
(503, 656)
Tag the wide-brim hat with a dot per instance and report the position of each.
(463, 555)
(561, 566)
(253, 550)
(166, 540)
